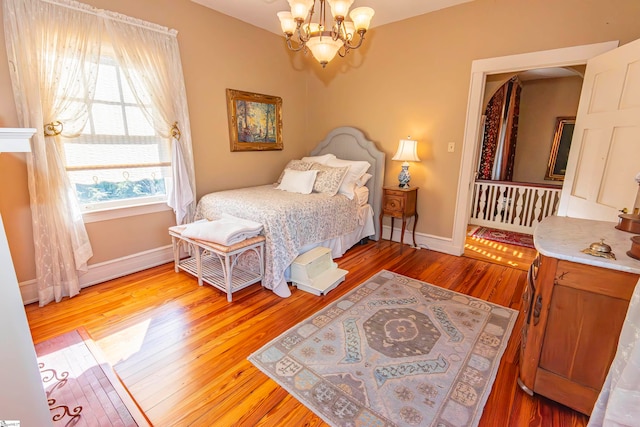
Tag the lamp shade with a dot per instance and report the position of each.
(340, 7)
(300, 8)
(324, 48)
(361, 17)
(407, 151)
(287, 22)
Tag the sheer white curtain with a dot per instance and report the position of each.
(53, 48)
(53, 55)
(619, 401)
(150, 59)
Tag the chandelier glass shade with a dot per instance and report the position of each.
(322, 39)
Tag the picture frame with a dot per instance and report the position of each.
(559, 154)
(255, 121)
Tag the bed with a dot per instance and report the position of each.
(295, 223)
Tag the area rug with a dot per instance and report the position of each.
(502, 236)
(81, 387)
(393, 352)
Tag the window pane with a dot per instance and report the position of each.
(127, 94)
(107, 85)
(138, 123)
(115, 184)
(107, 119)
(119, 158)
(118, 152)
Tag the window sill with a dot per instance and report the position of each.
(124, 212)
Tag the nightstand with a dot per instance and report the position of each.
(400, 203)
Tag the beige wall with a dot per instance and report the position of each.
(410, 78)
(541, 102)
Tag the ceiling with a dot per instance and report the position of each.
(262, 13)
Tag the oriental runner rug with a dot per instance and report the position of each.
(503, 236)
(393, 352)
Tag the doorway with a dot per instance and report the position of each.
(480, 69)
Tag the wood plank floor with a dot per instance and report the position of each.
(514, 256)
(182, 349)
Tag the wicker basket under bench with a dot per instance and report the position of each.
(216, 264)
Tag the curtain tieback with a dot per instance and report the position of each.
(175, 131)
(53, 128)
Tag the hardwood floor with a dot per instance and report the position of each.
(182, 349)
(514, 256)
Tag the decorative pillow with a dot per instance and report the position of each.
(357, 168)
(329, 179)
(319, 159)
(361, 195)
(296, 165)
(297, 181)
(363, 180)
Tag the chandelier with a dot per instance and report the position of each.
(323, 41)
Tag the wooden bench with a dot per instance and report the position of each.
(216, 264)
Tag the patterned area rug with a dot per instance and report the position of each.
(393, 352)
(502, 236)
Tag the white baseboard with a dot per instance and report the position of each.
(425, 241)
(103, 271)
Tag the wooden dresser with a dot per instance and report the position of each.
(574, 309)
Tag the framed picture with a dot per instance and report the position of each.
(560, 148)
(255, 121)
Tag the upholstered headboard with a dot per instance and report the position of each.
(349, 143)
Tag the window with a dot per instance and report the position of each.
(118, 160)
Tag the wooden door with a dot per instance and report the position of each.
(605, 149)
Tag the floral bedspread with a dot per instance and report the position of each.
(290, 221)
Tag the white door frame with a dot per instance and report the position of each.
(479, 70)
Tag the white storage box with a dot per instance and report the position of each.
(315, 271)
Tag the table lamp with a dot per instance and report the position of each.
(407, 152)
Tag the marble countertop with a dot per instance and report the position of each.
(565, 238)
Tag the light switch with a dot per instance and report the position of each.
(451, 147)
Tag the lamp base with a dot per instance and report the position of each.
(404, 177)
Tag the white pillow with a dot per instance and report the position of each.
(319, 159)
(363, 180)
(357, 168)
(362, 195)
(295, 181)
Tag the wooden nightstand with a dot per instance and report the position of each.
(400, 203)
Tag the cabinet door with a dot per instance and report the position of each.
(582, 335)
(586, 312)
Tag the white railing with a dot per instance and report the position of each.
(512, 206)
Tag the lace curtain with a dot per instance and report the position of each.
(618, 404)
(53, 47)
(156, 52)
(53, 51)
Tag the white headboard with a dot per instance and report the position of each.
(349, 143)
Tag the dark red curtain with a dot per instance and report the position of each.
(501, 124)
